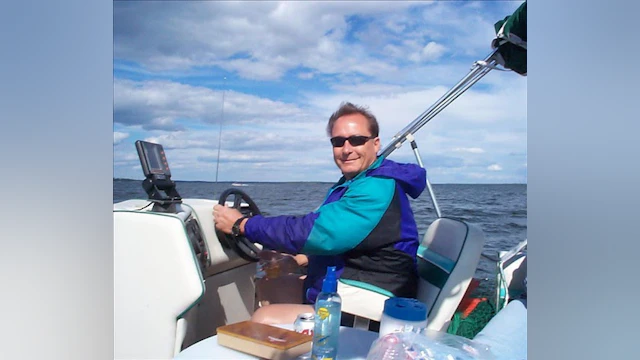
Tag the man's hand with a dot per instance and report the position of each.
(301, 259)
(224, 217)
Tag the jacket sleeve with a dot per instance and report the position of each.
(343, 224)
(283, 233)
(334, 228)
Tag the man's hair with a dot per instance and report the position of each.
(347, 108)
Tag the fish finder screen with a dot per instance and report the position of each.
(152, 158)
(154, 161)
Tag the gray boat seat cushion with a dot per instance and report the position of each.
(447, 260)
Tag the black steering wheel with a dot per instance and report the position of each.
(240, 244)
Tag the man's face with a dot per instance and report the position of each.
(351, 159)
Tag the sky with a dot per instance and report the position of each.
(242, 90)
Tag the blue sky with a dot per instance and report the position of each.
(283, 67)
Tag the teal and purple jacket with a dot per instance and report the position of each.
(365, 228)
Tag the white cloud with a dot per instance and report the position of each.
(273, 37)
(274, 128)
(177, 141)
(267, 39)
(160, 104)
(430, 52)
(469, 150)
(289, 65)
(305, 75)
(255, 70)
(119, 136)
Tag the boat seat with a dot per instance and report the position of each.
(363, 300)
(447, 260)
(157, 279)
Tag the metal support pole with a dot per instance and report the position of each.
(414, 146)
(478, 71)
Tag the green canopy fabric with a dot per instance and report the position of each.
(511, 41)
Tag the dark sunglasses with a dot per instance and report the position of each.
(354, 140)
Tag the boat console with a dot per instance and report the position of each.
(175, 279)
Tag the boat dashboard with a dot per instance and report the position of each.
(213, 256)
(214, 252)
(165, 244)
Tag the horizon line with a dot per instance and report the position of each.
(310, 181)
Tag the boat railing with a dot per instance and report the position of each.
(502, 287)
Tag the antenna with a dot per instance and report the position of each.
(224, 87)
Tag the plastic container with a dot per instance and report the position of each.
(402, 314)
(428, 345)
(327, 318)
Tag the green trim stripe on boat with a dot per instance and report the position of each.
(434, 267)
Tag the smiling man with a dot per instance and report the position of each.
(353, 151)
(365, 227)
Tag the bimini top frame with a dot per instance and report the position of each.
(478, 71)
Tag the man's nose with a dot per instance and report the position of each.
(347, 148)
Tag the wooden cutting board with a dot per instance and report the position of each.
(264, 341)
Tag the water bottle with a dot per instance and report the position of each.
(327, 320)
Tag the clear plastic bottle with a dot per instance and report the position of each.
(387, 347)
(327, 320)
(428, 345)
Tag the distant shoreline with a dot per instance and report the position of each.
(314, 182)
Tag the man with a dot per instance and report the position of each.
(365, 227)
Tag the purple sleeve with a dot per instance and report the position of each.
(286, 234)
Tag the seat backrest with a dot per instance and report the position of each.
(156, 281)
(447, 260)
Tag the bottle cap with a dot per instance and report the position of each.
(330, 283)
(405, 309)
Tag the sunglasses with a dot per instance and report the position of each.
(354, 140)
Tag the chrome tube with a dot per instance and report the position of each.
(477, 72)
(414, 146)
